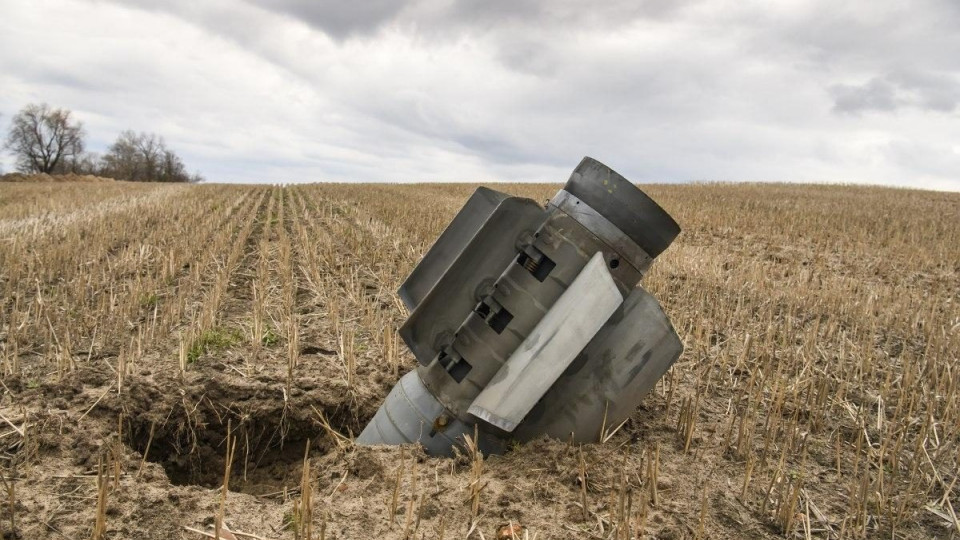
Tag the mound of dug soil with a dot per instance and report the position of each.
(43, 177)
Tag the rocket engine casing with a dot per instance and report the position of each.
(529, 321)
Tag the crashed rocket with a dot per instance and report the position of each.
(529, 321)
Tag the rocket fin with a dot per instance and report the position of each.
(455, 238)
(473, 251)
(609, 378)
(552, 345)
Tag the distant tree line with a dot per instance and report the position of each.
(48, 140)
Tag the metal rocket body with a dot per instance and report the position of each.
(529, 321)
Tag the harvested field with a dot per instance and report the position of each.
(159, 340)
(52, 178)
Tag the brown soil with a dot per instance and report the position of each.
(177, 483)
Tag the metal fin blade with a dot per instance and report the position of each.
(609, 378)
(449, 245)
(480, 259)
(556, 340)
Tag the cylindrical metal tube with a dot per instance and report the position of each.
(411, 414)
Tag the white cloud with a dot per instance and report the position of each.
(287, 90)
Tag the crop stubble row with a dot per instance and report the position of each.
(821, 324)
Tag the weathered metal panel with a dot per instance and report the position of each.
(568, 244)
(555, 341)
(456, 292)
(610, 376)
(449, 245)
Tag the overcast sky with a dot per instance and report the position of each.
(482, 90)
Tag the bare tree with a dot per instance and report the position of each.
(144, 157)
(41, 137)
(122, 160)
(82, 163)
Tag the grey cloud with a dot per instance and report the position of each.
(934, 92)
(877, 94)
(875, 37)
(574, 15)
(338, 18)
(342, 19)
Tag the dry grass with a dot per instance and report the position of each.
(817, 396)
(52, 178)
